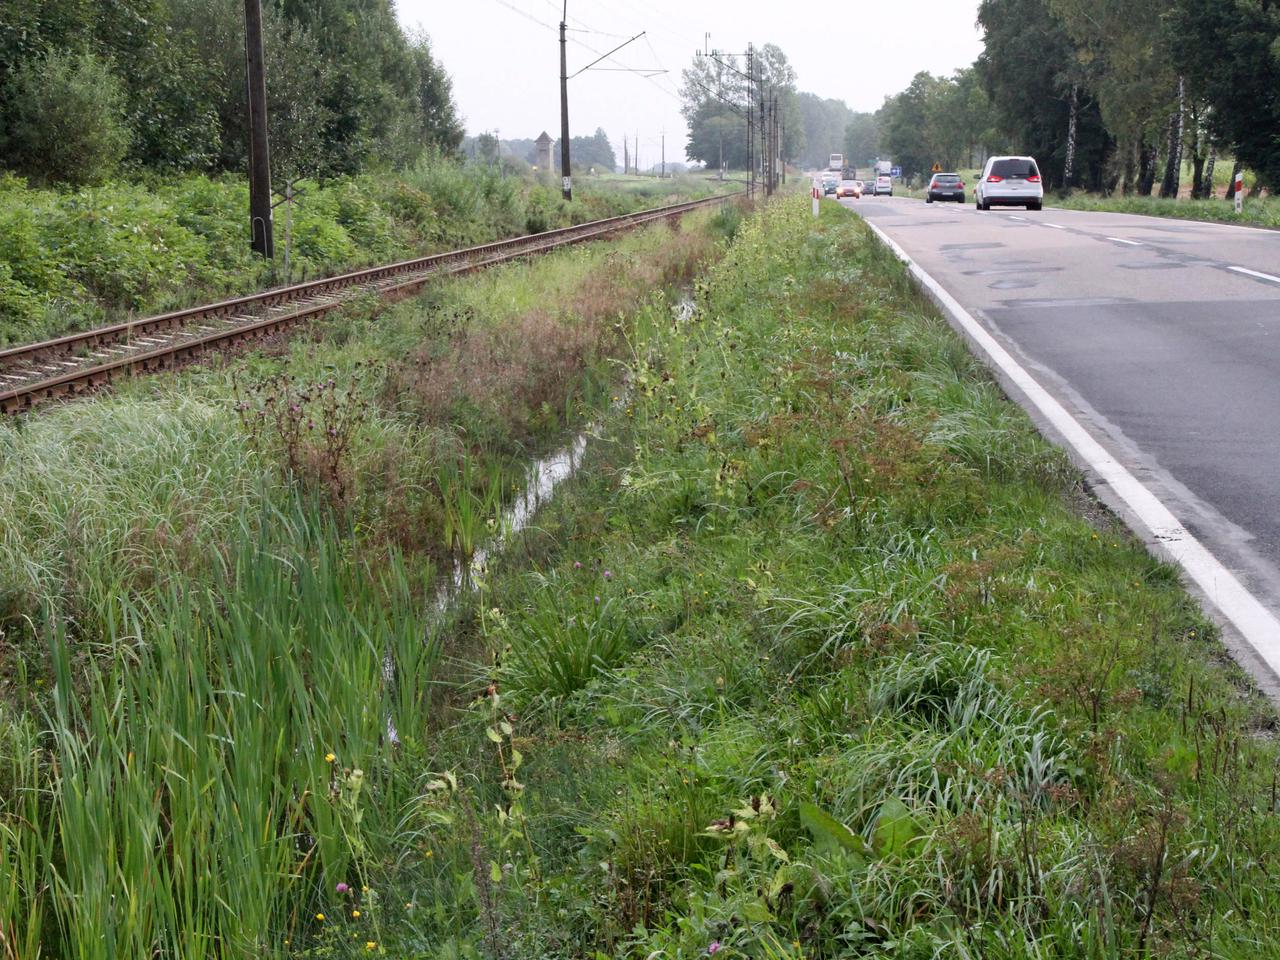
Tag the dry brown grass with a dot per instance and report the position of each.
(510, 379)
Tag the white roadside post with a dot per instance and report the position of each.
(815, 197)
(1239, 192)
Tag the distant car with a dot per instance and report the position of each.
(1009, 182)
(849, 189)
(945, 186)
(884, 185)
(830, 184)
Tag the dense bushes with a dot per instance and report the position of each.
(68, 118)
(70, 258)
(159, 85)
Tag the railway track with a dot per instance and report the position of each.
(78, 362)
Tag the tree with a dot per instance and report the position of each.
(346, 87)
(714, 96)
(587, 152)
(903, 122)
(438, 115)
(68, 116)
(1133, 76)
(713, 100)
(825, 123)
(861, 140)
(1230, 53)
(1039, 91)
(487, 147)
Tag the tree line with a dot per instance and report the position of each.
(90, 88)
(1107, 94)
(585, 153)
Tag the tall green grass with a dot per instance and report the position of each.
(863, 679)
(212, 775)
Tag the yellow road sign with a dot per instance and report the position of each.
(937, 168)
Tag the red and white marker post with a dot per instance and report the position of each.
(817, 193)
(1239, 191)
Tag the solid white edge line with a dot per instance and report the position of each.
(1257, 624)
(1255, 273)
(1132, 243)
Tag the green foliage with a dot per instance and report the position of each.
(67, 119)
(852, 689)
(585, 153)
(1262, 211)
(222, 667)
(860, 718)
(1236, 69)
(84, 84)
(861, 141)
(714, 96)
(825, 122)
(72, 258)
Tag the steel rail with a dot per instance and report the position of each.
(77, 362)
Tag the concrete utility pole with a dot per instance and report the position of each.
(259, 152)
(565, 169)
(567, 179)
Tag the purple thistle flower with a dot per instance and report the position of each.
(342, 888)
(608, 575)
(713, 947)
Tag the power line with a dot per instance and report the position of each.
(526, 15)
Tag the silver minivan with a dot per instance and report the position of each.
(1009, 182)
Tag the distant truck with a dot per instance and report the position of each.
(836, 162)
(884, 168)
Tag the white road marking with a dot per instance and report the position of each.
(1259, 627)
(1012, 217)
(1254, 273)
(1055, 226)
(1132, 243)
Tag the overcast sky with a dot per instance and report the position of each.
(503, 56)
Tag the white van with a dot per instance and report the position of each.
(1009, 182)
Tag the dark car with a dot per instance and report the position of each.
(830, 184)
(945, 186)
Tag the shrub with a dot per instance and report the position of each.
(69, 119)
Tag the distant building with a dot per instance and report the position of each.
(543, 143)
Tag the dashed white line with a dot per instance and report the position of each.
(1254, 273)
(1011, 217)
(1132, 243)
(1055, 226)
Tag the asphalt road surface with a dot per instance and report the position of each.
(1161, 336)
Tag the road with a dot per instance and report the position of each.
(1161, 336)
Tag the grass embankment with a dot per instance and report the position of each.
(824, 658)
(818, 658)
(69, 259)
(216, 594)
(1257, 211)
